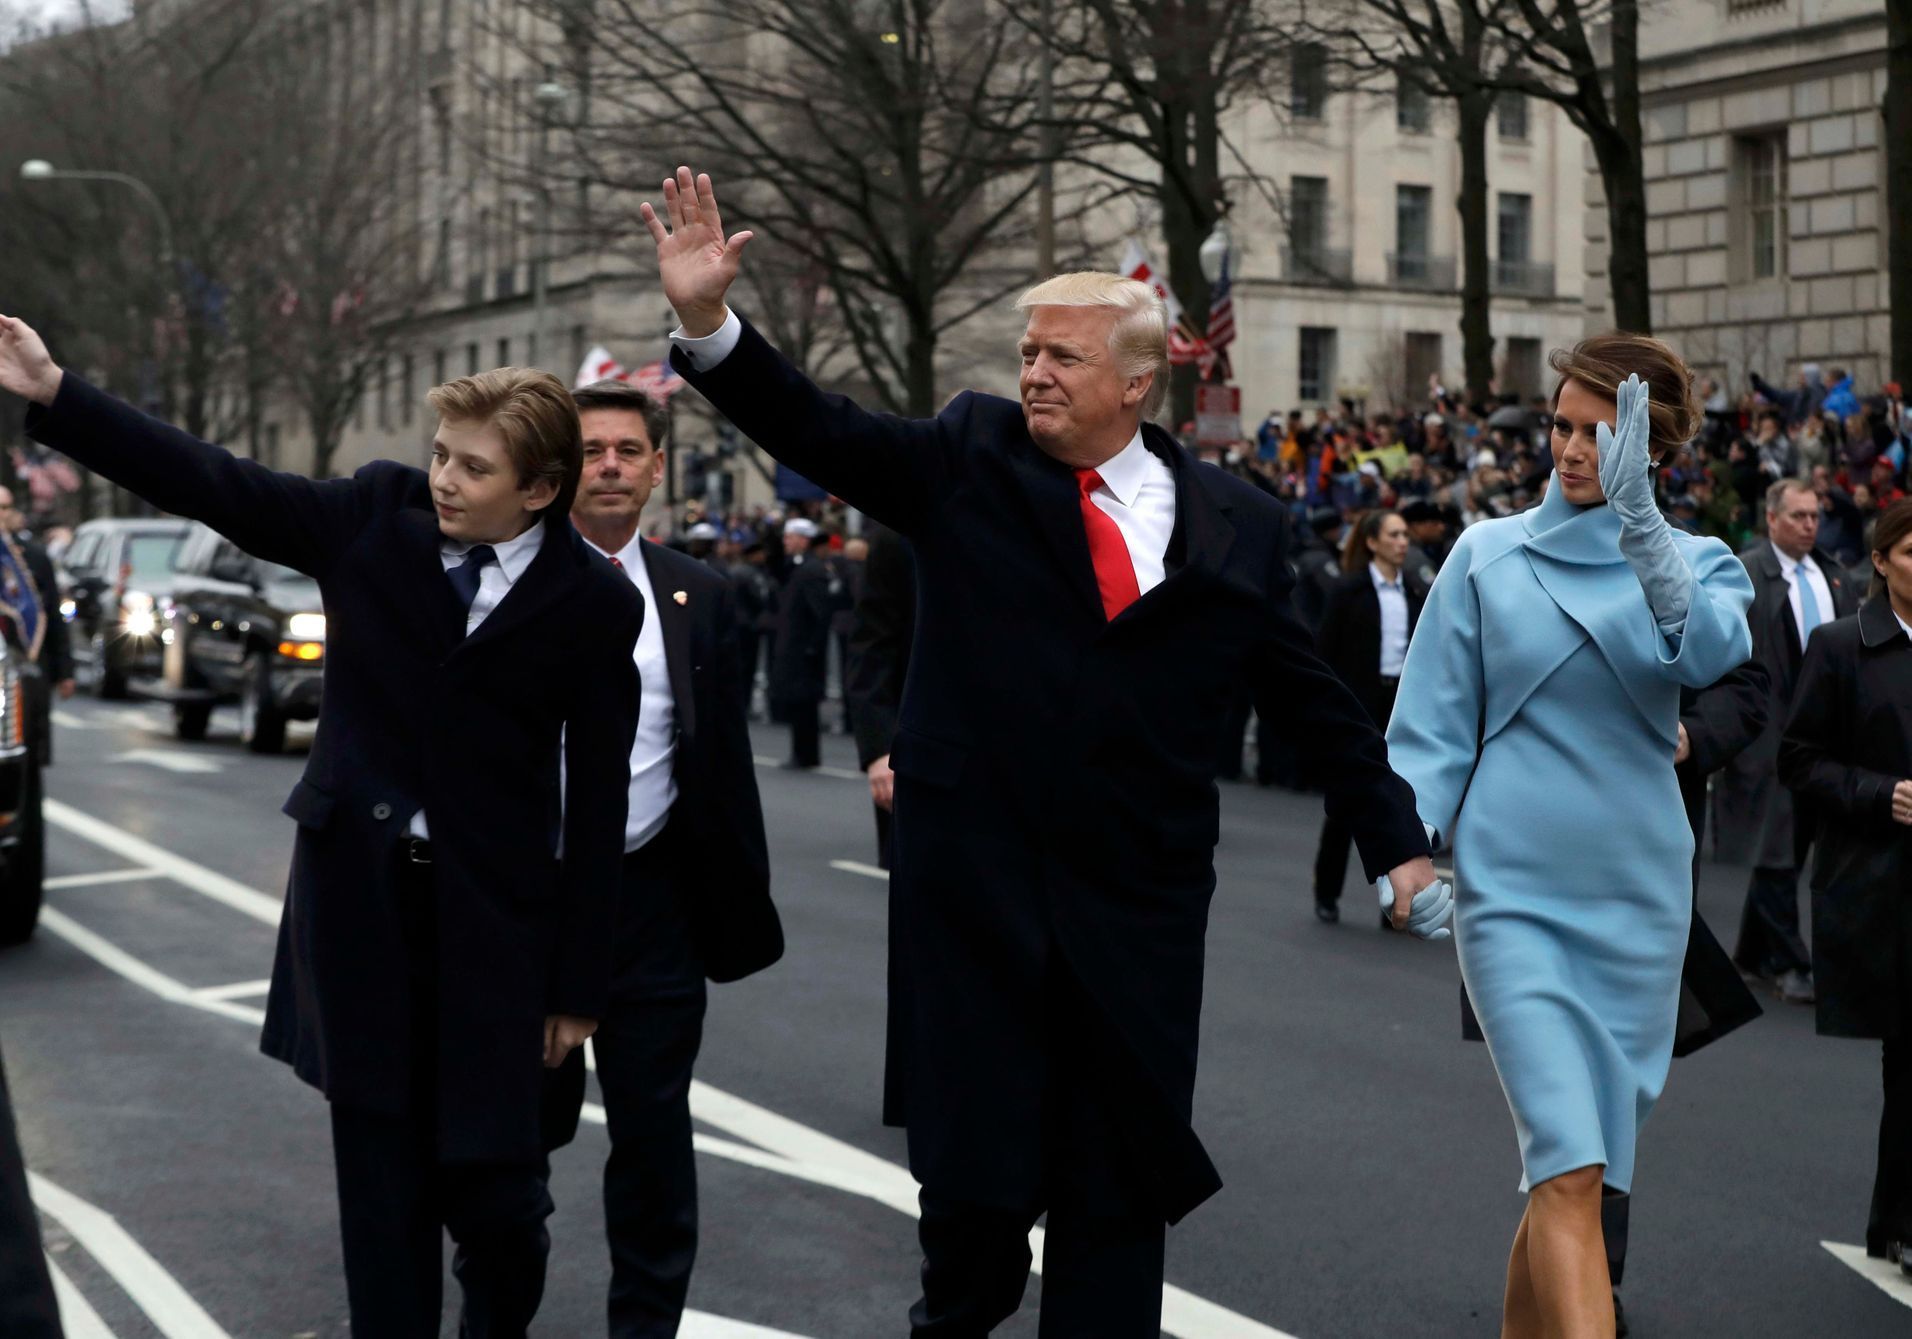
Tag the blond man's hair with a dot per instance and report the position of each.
(1139, 337)
(535, 415)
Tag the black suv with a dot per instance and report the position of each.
(118, 577)
(240, 629)
(22, 829)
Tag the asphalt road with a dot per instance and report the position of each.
(1370, 1163)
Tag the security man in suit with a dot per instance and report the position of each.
(446, 943)
(1089, 599)
(1796, 587)
(807, 604)
(694, 899)
(1369, 616)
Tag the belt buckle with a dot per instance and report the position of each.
(417, 850)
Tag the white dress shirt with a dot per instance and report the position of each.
(513, 558)
(1903, 624)
(1822, 593)
(1138, 487)
(653, 782)
(1393, 621)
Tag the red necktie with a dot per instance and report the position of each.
(1108, 551)
(614, 562)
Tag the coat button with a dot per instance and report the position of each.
(381, 811)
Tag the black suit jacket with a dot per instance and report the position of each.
(1754, 772)
(1350, 635)
(880, 636)
(418, 715)
(807, 602)
(717, 807)
(1056, 809)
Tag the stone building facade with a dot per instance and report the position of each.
(1765, 169)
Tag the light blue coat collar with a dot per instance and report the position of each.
(1586, 535)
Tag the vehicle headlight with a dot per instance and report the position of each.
(138, 614)
(68, 610)
(306, 627)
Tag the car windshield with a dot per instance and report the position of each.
(151, 555)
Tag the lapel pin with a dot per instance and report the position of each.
(682, 597)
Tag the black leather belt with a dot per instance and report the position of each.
(415, 851)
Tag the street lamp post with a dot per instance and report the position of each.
(550, 97)
(38, 169)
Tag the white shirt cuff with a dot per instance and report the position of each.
(706, 351)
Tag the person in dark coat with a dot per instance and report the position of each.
(754, 596)
(1364, 632)
(446, 943)
(885, 626)
(28, 1309)
(806, 605)
(1089, 600)
(695, 898)
(1847, 757)
(1796, 587)
(850, 568)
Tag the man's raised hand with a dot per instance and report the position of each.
(695, 261)
(25, 367)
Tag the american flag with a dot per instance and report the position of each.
(1221, 327)
(45, 474)
(659, 378)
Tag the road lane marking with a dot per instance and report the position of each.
(177, 868)
(703, 1325)
(1885, 1275)
(66, 720)
(77, 1316)
(238, 990)
(172, 760)
(858, 867)
(155, 1292)
(104, 876)
(116, 959)
(790, 1148)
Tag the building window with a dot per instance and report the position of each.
(438, 367)
(1413, 111)
(1510, 111)
(471, 359)
(1515, 231)
(441, 263)
(504, 351)
(1308, 81)
(1423, 359)
(1413, 213)
(1759, 168)
(1316, 378)
(1307, 215)
(1520, 371)
(407, 391)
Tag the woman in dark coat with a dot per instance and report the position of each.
(1847, 754)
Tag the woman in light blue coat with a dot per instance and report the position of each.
(1537, 721)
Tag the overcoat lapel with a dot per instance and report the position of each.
(674, 619)
(1050, 488)
(1577, 560)
(1202, 537)
(419, 580)
(531, 593)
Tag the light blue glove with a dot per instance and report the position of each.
(1430, 911)
(1646, 540)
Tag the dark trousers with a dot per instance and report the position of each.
(396, 1202)
(1769, 938)
(882, 837)
(1890, 1218)
(397, 1199)
(1331, 856)
(27, 1308)
(645, 1048)
(1102, 1248)
(806, 747)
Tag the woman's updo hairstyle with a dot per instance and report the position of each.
(1602, 362)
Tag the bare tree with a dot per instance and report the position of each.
(1563, 66)
(1461, 51)
(1143, 88)
(1898, 175)
(887, 149)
